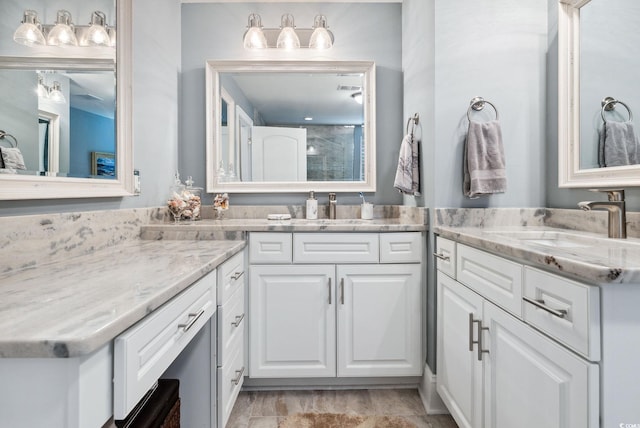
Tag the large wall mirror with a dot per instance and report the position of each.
(65, 117)
(290, 126)
(598, 93)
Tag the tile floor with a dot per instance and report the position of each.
(265, 409)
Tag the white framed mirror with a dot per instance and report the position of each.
(595, 63)
(296, 126)
(57, 143)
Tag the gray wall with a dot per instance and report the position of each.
(453, 51)
(156, 69)
(362, 31)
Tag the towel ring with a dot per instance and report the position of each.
(609, 103)
(4, 135)
(477, 104)
(415, 119)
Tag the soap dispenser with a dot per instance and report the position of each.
(312, 206)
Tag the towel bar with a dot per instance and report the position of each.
(609, 103)
(477, 104)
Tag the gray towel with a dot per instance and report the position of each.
(408, 172)
(484, 164)
(12, 158)
(618, 145)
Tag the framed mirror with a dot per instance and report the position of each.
(67, 112)
(290, 126)
(598, 93)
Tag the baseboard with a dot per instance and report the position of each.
(430, 399)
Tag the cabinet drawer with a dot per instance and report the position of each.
(493, 277)
(401, 247)
(230, 379)
(269, 247)
(446, 256)
(335, 248)
(231, 322)
(146, 350)
(231, 277)
(564, 309)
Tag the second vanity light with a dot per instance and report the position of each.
(63, 32)
(287, 36)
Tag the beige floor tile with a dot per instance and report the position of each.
(397, 402)
(282, 403)
(343, 401)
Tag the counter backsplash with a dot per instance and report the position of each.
(573, 219)
(28, 241)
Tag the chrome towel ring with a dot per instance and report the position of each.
(477, 104)
(413, 121)
(4, 135)
(609, 103)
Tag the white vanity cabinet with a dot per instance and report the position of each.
(229, 345)
(494, 369)
(327, 305)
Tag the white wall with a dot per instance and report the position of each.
(362, 32)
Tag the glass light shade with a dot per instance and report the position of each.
(112, 37)
(97, 34)
(287, 39)
(62, 33)
(357, 97)
(29, 33)
(42, 90)
(254, 38)
(320, 38)
(56, 94)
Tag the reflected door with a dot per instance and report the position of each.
(279, 154)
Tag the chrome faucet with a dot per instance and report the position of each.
(333, 202)
(616, 208)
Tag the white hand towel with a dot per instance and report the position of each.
(12, 158)
(407, 178)
(618, 145)
(484, 163)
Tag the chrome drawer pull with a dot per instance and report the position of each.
(194, 318)
(238, 320)
(342, 291)
(237, 275)
(479, 342)
(442, 257)
(239, 374)
(329, 290)
(560, 313)
(471, 341)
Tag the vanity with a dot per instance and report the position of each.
(537, 325)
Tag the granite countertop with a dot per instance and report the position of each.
(73, 307)
(293, 225)
(586, 256)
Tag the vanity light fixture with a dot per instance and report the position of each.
(287, 37)
(29, 32)
(42, 90)
(357, 97)
(64, 33)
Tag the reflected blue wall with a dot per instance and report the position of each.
(89, 133)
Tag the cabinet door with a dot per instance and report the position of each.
(459, 370)
(379, 320)
(532, 382)
(292, 323)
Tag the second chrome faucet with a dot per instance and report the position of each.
(616, 208)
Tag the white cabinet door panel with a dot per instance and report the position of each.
(379, 318)
(292, 323)
(459, 370)
(532, 382)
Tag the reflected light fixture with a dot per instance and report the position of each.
(254, 37)
(56, 95)
(320, 38)
(42, 90)
(62, 33)
(357, 97)
(288, 39)
(29, 32)
(288, 36)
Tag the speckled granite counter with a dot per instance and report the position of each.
(73, 307)
(592, 258)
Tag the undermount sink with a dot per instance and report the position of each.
(552, 238)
